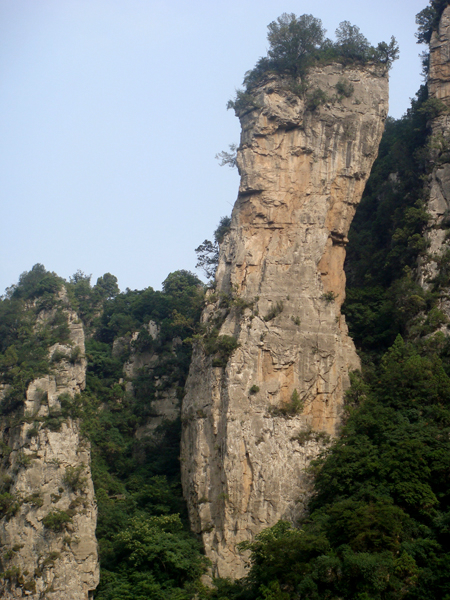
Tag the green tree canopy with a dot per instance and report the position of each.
(181, 282)
(428, 20)
(293, 40)
(208, 252)
(297, 43)
(351, 42)
(35, 283)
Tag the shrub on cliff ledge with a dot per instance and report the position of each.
(222, 347)
(298, 43)
(56, 520)
(74, 479)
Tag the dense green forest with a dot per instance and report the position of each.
(378, 526)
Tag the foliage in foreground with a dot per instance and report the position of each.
(379, 526)
(157, 559)
(146, 550)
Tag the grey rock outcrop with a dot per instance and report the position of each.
(254, 420)
(438, 185)
(48, 544)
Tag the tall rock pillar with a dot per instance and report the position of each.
(253, 420)
(48, 513)
(438, 185)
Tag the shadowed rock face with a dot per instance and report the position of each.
(438, 185)
(302, 172)
(42, 467)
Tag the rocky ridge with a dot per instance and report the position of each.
(48, 544)
(267, 381)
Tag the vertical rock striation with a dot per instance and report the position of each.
(47, 536)
(438, 185)
(253, 421)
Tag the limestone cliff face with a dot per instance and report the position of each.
(438, 185)
(47, 474)
(251, 428)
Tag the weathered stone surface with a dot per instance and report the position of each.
(43, 563)
(439, 71)
(438, 185)
(302, 174)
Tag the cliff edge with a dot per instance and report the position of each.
(267, 380)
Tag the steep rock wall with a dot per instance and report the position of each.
(251, 428)
(48, 473)
(438, 185)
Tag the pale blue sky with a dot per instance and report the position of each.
(112, 112)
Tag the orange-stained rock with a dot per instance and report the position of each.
(302, 175)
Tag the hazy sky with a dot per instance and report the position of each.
(112, 112)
